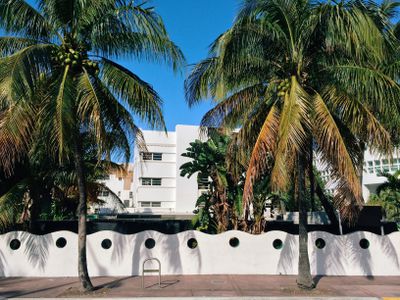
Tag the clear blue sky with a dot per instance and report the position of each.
(193, 25)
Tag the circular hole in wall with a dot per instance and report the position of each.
(277, 244)
(364, 243)
(150, 243)
(106, 244)
(61, 242)
(320, 243)
(15, 244)
(234, 242)
(192, 243)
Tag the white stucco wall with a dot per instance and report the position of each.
(342, 255)
(186, 188)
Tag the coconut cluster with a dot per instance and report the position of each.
(283, 87)
(76, 58)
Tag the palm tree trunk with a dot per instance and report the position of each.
(82, 212)
(311, 177)
(304, 278)
(361, 164)
(328, 207)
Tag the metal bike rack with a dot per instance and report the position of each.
(151, 270)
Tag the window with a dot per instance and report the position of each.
(152, 156)
(131, 195)
(146, 181)
(157, 156)
(150, 204)
(119, 178)
(105, 193)
(106, 177)
(156, 181)
(147, 156)
(151, 181)
(119, 194)
(126, 203)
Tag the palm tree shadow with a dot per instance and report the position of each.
(112, 284)
(164, 284)
(363, 257)
(288, 255)
(119, 252)
(328, 260)
(2, 264)
(36, 247)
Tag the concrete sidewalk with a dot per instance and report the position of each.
(242, 286)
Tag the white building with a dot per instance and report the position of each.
(121, 185)
(374, 164)
(158, 186)
(153, 183)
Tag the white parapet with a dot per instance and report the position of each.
(233, 252)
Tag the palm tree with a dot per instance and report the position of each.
(41, 183)
(58, 78)
(296, 75)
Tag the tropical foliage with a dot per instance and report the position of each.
(41, 188)
(220, 207)
(300, 77)
(58, 79)
(388, 196)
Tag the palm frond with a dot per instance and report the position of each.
(263, 152)
(10, 203)
(294, 128)
(140, 97)
(20, 72)
(90, 110)
(15, 134)
(20, 18)
(335, 151)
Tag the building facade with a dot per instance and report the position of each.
(153, 183)
(121, 185)
(157, 184)
(374, 165)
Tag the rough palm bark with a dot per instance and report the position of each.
(311, 177)
(304, 278)
(82, 213)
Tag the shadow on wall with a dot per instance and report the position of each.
(171, 256)
(138, 243)
(331, 255)
(168, 249)
(2, 266)
(192, 245)
(288, 255)
(36, 247)
(99, 267)
(118, 253)
(357, 255)
(151, 244)
(361, 253)
(351, 254)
